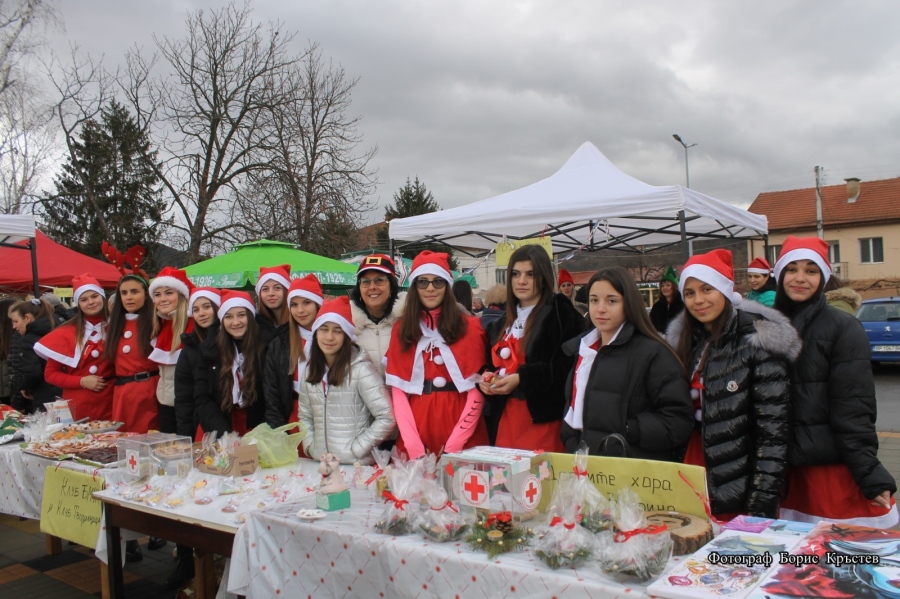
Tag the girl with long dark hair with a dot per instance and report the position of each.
(433, 362)
(6, 337)
(272, 312)
(739, 358)
(343, 404)
(31, 320)
(629, 391)
(527, 368)
(834, 444)
(128, 348)
(74, 353)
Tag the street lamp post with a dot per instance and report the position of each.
(687, 170)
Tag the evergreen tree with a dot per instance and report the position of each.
(107, 190)
(413, 199)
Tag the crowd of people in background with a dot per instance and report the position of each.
(773, 393)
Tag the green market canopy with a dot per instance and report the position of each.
(240, 268)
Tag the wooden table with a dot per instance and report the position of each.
(206, 538)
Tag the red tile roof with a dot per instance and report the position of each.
(878, 201)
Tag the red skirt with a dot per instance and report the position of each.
(436, 416)
(91, 404)
(829, 492)
(239, 421)
(694, 454)
(135, 404)
(518, 432)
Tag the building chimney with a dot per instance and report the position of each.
(852, 189)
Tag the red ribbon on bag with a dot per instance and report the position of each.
(557, 520)
(449, 504)
(499, 517)
(702, 498)
(578, 471)
(372, 478)
(398, 503)
(653, 529)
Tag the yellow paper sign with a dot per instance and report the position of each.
(68, 508)
(506, 248)
(659, 485)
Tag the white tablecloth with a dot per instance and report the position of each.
(276, 554)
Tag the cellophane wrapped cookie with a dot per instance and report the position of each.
(633, 548)
(404, 486)
(564, 543)
(440, 518)
(594, 508)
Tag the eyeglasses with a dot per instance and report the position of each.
(377, 281)
(424, 283)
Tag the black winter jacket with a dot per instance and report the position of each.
(208, 398)
(662, 312)
(14, 363)
(31, 366)
(278, 384)
(189, 360)
(637, 389)
(833, 397)
(746, 408)
(542, 378)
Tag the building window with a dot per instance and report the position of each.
(501, 276)
(774, 250)
(871, 250)
(834, 252)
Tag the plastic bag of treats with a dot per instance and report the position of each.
(563, 543)
(218, 452)
(440, 519)
(498, 533)
(404, 480)
(595, 509)
(377, 483)
(633, 548)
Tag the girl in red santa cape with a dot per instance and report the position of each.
(433, 361)
(287, 355)
(74, 353)
(525, 383)
(128, 347)
(272, 314)
(202, 306)
(834, 473)
(170, 291)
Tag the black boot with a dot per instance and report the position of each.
(133, 551)
(156, 543)
(184, 570)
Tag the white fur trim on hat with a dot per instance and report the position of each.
(215, 298)
(708, 275)
(89, 287)
(802, 254)
(272, 276)
(235, 302)
(337, 319)
(759, 271)
(172, 282)
(431, 269)
(318, 299)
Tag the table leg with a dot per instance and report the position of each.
(204, 575)
(54, 545)
(114, 553)
(104, 581)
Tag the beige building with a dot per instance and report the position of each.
(861, 223)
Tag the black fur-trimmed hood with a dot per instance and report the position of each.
(772, 330)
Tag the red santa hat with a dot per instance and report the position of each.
(564, 277)
(713, 268)
(85, 282)
(235, 299)
(378, 262)
(338, 312)
(176, 279)
(279, 274)
(210, 293)
(804, 248)
(308, 287)
(759, 266)
(432, 263)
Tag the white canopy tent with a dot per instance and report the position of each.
(15, 228)
(588, 204)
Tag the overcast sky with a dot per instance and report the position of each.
(481, 97)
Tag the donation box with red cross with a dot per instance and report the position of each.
(142, 456)
(488, 480)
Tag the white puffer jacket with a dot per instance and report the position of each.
(352, 418)
(374, 338)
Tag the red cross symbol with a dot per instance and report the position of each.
(132, 462)
(474, 488)
(531, 492)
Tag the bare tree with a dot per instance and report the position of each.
(320, 178)
(17, 17)
(208, 115)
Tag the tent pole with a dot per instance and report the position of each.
(684, 243)
(391, 247)
(32, 242)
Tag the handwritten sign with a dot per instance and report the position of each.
(659, 485)
(68, 508)
(505, 249)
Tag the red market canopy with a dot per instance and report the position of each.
(56, 265)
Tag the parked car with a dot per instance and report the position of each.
(881, 319)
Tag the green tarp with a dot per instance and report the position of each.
(240, 269)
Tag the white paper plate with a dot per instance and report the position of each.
(311, 514)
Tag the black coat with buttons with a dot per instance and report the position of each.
(745, 423)
(189, 360)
